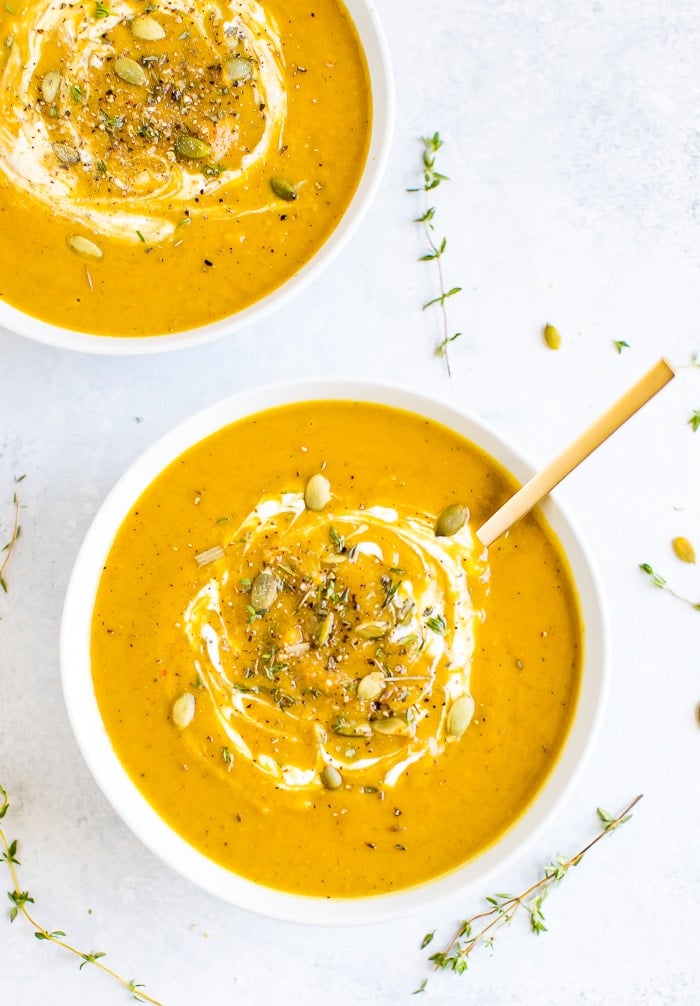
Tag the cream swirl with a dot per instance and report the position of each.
(102, 151)
(362, 659)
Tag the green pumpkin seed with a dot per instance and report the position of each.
(84, 246)
(147, 29)
(317, 493)
(325, 629)
(371, 630)
(65, 153)
(552, 336)
(346, 729)
(683, 549)
(182, 712)
(239, 68)
(130, 71)
(451, 520)
(50, 85)
(331, 777)
(371, 686)
(391, 727)
(191, 147)
(460, 715)
(263, 593)
(282, 188)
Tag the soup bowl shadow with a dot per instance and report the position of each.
(140, 816)
(364, 16)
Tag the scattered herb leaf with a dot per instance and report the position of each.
(482, 928)
(620, 344)
(437, 246)
(661, 582)
(20, 899)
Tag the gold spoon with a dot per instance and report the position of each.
(529, 495)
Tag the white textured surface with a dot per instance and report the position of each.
(572, 139)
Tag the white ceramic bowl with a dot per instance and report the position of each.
(367, 24)
(138, 813)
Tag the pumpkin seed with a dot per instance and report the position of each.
(460, 715)
(331, 777)
(282, 188)
(371, 686)
(552, 336)
(191, 147)
(348, 729)
(182, 712)
(130, 71)
(317, 493)
(263, 592)
(683, 549)
(84, 246)
(391, 726)
(147, 28)
(325, 629)
(50, 85)
(451, 520)
(65, 153)
(371, 630)
(239, 68)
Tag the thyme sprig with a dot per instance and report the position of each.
(437, 246)
(661, 582)
(21, 899)
(9, 547)
(481, 929)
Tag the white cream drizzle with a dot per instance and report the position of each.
(153, 203)
(443, 660)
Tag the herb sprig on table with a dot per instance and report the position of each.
(481, 929)
(21, 899)
(8, 548)
(661, 582)
(437, 246)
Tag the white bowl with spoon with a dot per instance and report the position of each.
(153, 828)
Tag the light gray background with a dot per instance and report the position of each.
(572, 140)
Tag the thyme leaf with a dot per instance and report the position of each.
(481, 929)
(436, 246)
(9, 547)
(20, 899)
(661, 582)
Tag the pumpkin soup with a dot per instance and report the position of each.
(165, 165)
(312, 669)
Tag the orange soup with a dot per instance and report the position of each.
(312, 669)
(164, 165)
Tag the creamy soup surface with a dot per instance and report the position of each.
(163, 165)
(310, 684)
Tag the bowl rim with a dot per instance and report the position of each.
(141, 817)
(364, 16)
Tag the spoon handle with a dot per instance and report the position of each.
(543, 482)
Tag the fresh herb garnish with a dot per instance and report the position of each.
(21, 899)
(660, 582)
(482, 928)
(337, 540)
(437, 246)
(101, 10)
(620, 344)
(437, 624)
(76, 93)
(9, 547)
